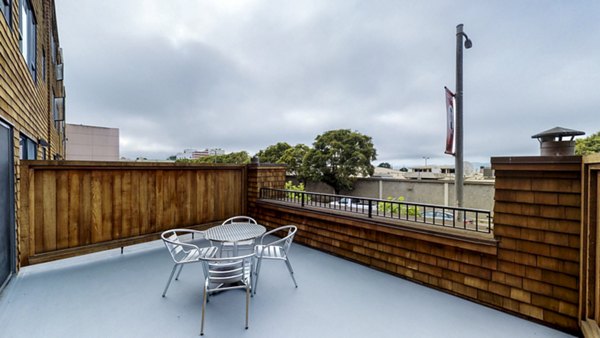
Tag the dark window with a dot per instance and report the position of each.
(28, 30)
(5, 7)
(28, 148)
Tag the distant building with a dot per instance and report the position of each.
(89, 143)
(192, 154)
(449, 170)
(387, 173)
(428, 169)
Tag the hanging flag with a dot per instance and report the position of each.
(449, 122)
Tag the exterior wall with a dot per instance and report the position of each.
(262, 176)
(529, 266)
(477, 194)
(537, 222)
(88, 143)
(26, 103)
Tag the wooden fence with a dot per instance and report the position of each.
(70, 208)
(589, 283)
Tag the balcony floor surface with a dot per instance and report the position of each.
(112, 295)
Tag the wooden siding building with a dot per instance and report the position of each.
(32, 102)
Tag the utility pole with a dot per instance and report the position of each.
(458, 159)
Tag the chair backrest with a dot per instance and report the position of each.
(176, 248)
(286, 241)
(228, 270)
(240, 219)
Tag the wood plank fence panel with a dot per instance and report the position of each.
(589, 283)
(77, 207)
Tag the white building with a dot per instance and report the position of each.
(192, 154)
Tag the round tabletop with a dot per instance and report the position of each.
(235, 232)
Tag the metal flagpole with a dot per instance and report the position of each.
(458, 160)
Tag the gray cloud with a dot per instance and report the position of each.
(201, 75)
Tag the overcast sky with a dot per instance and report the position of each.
(242, 75)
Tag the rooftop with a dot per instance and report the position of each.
(109, 294)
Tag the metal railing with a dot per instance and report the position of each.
(460, 218)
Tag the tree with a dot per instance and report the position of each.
(338, 157)
(293, 158)
(273, 153)
(588, 145)
(385, 165)
(241, 157)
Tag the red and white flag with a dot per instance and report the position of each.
(449, 122)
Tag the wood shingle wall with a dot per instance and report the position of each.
(528, 267)
(26, 101)
(537, 222)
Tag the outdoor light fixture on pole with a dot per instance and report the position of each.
(458, 159)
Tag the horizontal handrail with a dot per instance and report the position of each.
(477, 220)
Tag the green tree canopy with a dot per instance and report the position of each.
(273, 153)
(385, 165)
(338, 157)
(294, 158)
(240, 157)
(588, 145)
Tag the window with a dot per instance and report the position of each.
(55, 116)
(5, 6)
(44, 65)
(28, 148)
(52, 47)
(28, 30)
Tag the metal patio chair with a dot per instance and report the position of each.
(227, 273)
(275, 250)
(242, 246)
(184, 253)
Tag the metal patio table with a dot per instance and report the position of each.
(234, 233)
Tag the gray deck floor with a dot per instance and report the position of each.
(112, 295)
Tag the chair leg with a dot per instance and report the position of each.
(169, 281)
(179, 273)
(247, 302)
(258, 263)
(204, 300)
(289, 265)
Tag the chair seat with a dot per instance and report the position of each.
(270, 252)
(195, 255)
(275, 250)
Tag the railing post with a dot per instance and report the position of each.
(370, 209)
(302, 199)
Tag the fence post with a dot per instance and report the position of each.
(370, 209)
(302, 204)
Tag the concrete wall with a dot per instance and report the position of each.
(88, 143)
(477, 194)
